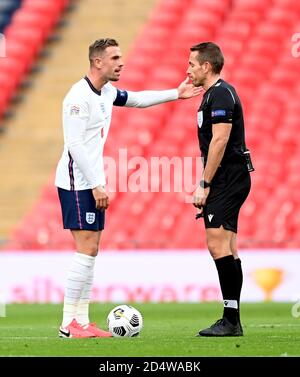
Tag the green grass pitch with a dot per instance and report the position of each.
(169, 330)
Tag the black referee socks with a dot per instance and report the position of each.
(238, 265)
(230, 283)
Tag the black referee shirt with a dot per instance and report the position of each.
(221, 104)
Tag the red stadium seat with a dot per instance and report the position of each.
(51, 9)
(203, 18)
(59, 4)
(287, 4)
(165, 79)
(219, 7)
(26, 31)
(32, 36)
(271, 33)
(14, 66)
(283, 78)
(256, 5)
(8, 85)
(236, 30)
(282, 17)
(18, 50)
(28, 19)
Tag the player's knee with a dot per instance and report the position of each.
(88, 244)
(217, 248)
(214, 248)
(92, 249)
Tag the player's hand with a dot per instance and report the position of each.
(199, 197)
(187, 90)
(101, 198)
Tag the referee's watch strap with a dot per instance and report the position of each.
(204, 184)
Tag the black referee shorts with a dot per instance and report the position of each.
(230, 188)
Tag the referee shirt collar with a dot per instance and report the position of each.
(215, 84)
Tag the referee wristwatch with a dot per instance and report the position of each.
(204, 184)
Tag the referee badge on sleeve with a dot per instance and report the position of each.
(200, 118)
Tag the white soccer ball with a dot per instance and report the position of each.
(124, 320)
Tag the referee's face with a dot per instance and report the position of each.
(111, 63)
(196, 71)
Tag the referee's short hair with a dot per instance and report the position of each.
(210, 52)
(99, 46)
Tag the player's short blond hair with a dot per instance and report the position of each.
(96, 48)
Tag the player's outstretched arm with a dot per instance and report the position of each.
(148, 98)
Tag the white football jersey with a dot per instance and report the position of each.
(86, 120)
(84, 103)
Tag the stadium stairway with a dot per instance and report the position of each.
(32, 142)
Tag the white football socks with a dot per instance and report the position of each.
(82, 314)
(78, 286)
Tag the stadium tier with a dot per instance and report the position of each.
(255, 37)
(26, 25)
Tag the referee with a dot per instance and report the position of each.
(225, 182)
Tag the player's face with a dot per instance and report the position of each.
(196, 71)
(111, 63)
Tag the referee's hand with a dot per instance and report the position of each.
(199, 197)
(101, 198)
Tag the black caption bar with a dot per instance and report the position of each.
(189, 366)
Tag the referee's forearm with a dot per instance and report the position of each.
(215, 154)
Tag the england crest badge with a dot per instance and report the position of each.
(90, 217)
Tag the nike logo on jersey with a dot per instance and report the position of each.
(210, 217)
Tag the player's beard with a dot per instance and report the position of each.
(114, 78)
